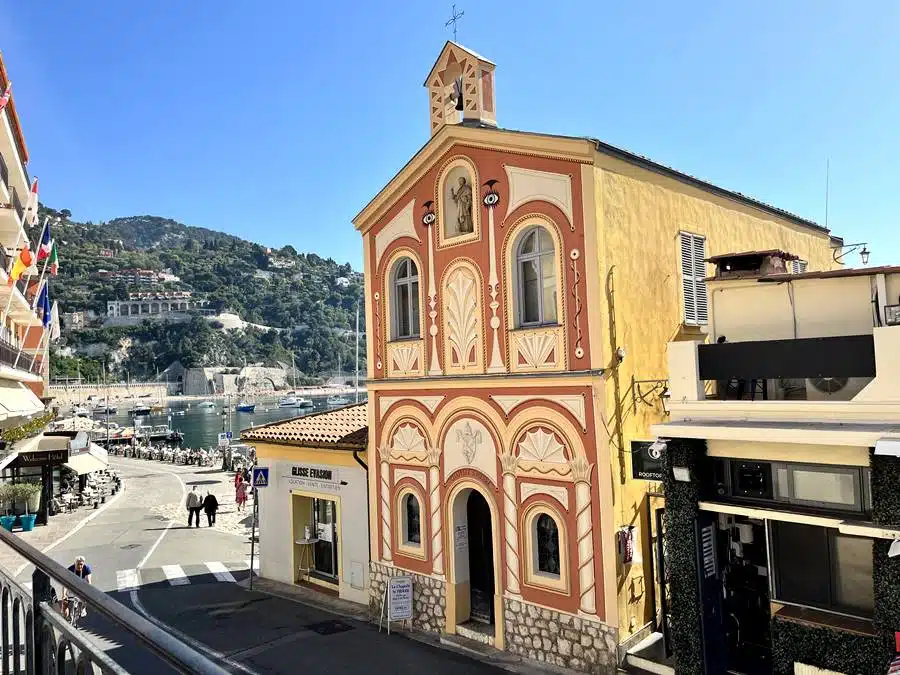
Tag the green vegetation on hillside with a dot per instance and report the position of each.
(298, 293)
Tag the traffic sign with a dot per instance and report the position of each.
(228, 435)
(260, 476)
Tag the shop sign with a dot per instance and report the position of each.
(400, 598)
(42, 457)
(647, 462)
(312, 476)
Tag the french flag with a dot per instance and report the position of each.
(46, 244)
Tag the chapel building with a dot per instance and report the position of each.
(520, 292)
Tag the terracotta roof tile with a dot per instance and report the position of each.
(346, 428)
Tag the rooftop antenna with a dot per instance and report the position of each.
(827, 173)
(454, 18)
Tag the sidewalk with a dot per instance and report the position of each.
(43, 536)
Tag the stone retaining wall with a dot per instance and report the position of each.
(429, 596)
(563, 640)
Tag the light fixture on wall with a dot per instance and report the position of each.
(838, 252)
(682, 474)
(648, 391)
(620, 354)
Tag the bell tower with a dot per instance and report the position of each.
(461, 89)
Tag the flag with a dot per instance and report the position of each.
(6, 94)
(53, 263)
(23, 262)
(54, 322)
(44, 305)
(31, 210)
(46, 244)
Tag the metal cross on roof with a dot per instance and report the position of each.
(454, 18)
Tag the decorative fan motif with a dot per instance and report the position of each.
(408, 438)
(542, 446)
(462, 317)
(406, 359)
(536, 350)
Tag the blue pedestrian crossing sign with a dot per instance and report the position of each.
(260, 476)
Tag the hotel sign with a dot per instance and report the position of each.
(42, 457)
(646, 463)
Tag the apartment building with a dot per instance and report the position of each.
(781, 463)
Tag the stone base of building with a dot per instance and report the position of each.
(429, 596)
(544, 635)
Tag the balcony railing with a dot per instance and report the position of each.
(8, 353)
(782, 368)
(37, 638)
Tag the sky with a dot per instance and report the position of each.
(279, 121)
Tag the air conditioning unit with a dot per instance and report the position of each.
(819, 388)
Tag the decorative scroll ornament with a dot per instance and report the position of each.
(377, 324)
(575, 254)
(429, 216)
(491, 199)
(428, 220)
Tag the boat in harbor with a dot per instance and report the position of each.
(206, 404)
(304, 403)
(104, 410)
(140, 411)
(81, 411)
(337, 399)
(245, 407)
(289, 402)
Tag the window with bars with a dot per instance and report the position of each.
(693, 273)
(798, 266)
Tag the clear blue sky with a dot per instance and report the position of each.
(278, 121)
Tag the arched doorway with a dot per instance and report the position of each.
(474, 606)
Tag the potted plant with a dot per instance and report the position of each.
(7, 520)
(28, 494)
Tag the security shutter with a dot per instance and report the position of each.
(798, 266)
(693, 273)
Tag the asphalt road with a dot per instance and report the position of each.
(185, 579)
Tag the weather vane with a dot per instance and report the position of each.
(454, 18)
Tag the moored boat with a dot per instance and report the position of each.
(245, 407)
(337, 400)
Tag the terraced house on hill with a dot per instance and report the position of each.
(520, 292)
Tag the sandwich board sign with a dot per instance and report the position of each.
(397, 601)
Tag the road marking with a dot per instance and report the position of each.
(128, 580)
(184, 637)
(171, 522)
(175, 575)
(220, 571)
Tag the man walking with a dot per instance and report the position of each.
(194, 503)
(210, 505)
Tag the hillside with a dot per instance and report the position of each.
(311, 300)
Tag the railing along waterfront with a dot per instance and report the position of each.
(38, 640)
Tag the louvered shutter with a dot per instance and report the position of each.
(687, 278)
(700, 280)
(693, 273)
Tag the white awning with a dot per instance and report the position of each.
(93, 459)
(813, 433)
(17, 400)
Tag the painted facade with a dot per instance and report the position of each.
(480, 385)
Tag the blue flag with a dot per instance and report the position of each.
(44, 304)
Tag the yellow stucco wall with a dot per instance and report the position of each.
(639, 216)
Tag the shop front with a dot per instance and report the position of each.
(313, 513)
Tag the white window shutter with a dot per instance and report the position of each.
(700, 280)
(798, 266)
(687, 278)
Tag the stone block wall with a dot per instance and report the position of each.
(541, 634)
(429, 596)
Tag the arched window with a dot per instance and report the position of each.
(412, 530)
(536, 270)
(546, 548)
(406, 299)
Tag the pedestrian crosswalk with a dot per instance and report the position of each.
(183, 575)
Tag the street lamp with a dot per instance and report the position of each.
(838, 252)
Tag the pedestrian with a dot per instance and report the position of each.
(238, 479)
(194, 504)
(246, 475)
(240, 494)
(210, 505)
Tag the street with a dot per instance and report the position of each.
(186, 580)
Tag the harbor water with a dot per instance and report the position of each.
(201, 426)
